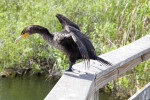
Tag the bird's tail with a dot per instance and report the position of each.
(102, 61)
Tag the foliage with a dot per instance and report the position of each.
(108, 23)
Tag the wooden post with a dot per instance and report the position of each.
(95, 96)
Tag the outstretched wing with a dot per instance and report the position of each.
(84, 39)
(87, 44)
(65, 21)
(69, 36)
(81, 46)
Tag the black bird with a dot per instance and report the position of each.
(70, 41)
(65, 22)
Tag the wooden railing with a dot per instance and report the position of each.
(143, 94)
(84, 84)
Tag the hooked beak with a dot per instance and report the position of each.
(22, 36)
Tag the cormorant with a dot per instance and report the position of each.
(69, 41)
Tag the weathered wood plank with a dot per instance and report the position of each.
(95, 96)
(81, 84)
(143, 94)
(104, 79)
(145, 56)
(71, 86)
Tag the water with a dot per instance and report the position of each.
(31, 88)
(25, 88)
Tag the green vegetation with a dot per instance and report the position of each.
(108, 23)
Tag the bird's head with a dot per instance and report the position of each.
(29, 30)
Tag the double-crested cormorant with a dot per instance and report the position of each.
(70, 41)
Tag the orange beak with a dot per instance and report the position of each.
(22, 36)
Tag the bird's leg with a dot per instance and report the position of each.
(69, 68)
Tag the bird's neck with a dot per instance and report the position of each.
(47, 36)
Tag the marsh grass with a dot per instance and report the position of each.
(109, 24)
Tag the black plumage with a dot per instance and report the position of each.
(70, 41)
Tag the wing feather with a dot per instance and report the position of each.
(82, 48)
(83, 38)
